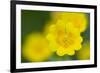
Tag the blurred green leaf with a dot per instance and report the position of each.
(33, 21)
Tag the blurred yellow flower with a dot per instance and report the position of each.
(64, 39)
(78, 20)
(36, 48)
(84, 53)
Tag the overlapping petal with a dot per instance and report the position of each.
(77, 19)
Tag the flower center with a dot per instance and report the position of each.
(65, 39)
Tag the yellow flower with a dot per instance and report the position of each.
(84, 53)
(64, 39)
(36, 48)
(78, 20)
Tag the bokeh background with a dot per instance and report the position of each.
(35, 21)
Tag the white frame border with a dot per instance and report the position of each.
(20, 65)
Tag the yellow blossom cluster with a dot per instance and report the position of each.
(64, 32)
(35, 48)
